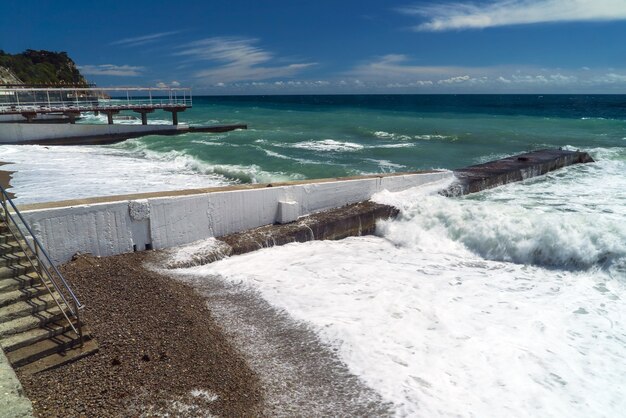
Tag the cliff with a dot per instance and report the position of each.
(7, 77)
(39, 68)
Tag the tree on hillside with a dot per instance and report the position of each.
(43, 67)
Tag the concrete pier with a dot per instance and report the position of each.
(59, 134)
(517, 168)
(24, 112)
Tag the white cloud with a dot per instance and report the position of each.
(453, 80)
(565, 79)
(110, 69)
(395, 66)
(465, 15)
(395, 71)
(610, 78)
(163, 85)
(236, 59)
(142, 40)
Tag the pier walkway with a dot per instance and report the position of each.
(71, 102)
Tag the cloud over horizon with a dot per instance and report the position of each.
(471, 15)
(395, 71)
(111, 70)
(236, 59)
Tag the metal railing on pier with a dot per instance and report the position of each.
(38, 258)
(26, 100)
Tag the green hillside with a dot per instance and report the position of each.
(42, 67)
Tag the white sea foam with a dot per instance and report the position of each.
(208, 396)
(101, 118)
(383, 134)
(404, 137)
(386, 166)
(285, 157)
(434, 137)
(191, 408)
(329, 145)
(405, 145)
(196, 253)
(433, 316)
(442, 332)
(505, 232)
(45, 174)
(275, 154)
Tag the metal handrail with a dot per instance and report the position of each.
(45, 100)
(64, 107)
(38, 252)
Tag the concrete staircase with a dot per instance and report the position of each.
(35, 333)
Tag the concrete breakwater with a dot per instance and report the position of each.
(246, 218)
(352, 220)
(496, 173)
(348, 221)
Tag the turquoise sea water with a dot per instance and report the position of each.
(298, 137)
(328, 136)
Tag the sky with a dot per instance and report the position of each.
(333, 46)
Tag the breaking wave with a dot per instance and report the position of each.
(328, 145)
(423, 137)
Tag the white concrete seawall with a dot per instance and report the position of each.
(109, 226)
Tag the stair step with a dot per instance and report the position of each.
(57, 344)
(16, 270)
(25, 308)
(9, 248)
(26, 323)
(32, 336)
(19, 282)
(8, 298)
(13, 259)
(6, 237)
(56, 360)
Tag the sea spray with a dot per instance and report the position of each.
(504, 233)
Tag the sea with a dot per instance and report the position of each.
(508, 302)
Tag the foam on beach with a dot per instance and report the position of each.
(47, 174)
(504, 303)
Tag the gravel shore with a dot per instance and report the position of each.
(175, 345)
(161, 351)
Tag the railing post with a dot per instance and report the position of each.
(4, 206)
(79, 325)
(40, 264)
(39, 270)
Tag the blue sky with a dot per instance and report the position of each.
(340, 46)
